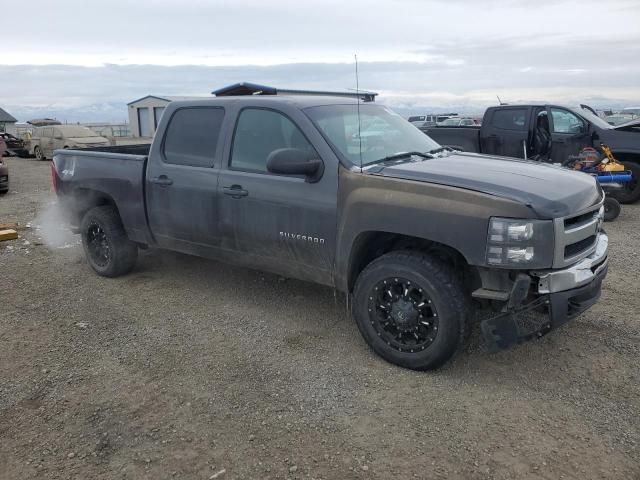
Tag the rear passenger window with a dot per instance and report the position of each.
(258, 133)
(192, 136)
(510, 118)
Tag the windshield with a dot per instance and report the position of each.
(73, 131)
(382, 132)
(451, 122)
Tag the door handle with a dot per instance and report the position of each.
(161, 180)
(235, 191)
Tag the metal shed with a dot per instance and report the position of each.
(145, 113)
(7, 122)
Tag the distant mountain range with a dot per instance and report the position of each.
(111, 112)
(116, 112)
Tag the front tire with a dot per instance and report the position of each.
(612, 209)
(411, 309)
(108, 249)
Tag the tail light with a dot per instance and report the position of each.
(54, 179)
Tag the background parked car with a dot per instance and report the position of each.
(118, 135)
(550, 133)
(430, 120)
(633, 111)
(49, 138)
(458, 122)
(15, 145)
(618, 118)
(111, 132)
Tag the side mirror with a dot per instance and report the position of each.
(293, 161)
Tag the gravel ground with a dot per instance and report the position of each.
(189, 368)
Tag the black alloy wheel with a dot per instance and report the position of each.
(107, 248)
(402, 314)
(98, 245)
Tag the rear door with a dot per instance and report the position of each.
(505, 132)
(279, 223)
(569, 133)
(182, 181)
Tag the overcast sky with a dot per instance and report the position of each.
(85, 60)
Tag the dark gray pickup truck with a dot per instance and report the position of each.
(549, 133)
(349, 195)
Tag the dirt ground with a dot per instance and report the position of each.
(189, 369)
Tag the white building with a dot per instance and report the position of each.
(145, 113)
(7, 122)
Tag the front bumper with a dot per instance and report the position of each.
(582, 273)
(561, 296)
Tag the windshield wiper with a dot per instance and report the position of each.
(400, 156)
(439, 149)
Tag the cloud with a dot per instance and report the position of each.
(100, 94)
(80, 61)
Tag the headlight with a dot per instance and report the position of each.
(514, 242)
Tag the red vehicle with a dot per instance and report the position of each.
(4, 175)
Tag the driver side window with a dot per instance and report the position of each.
(258, 133)
(566, 122)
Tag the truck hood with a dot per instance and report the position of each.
(550, 191)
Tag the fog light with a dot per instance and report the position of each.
(509, 255)
(519, 255)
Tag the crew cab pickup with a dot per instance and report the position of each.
(348, 194)
(549, 133)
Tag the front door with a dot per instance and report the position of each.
(569, 134)
(277, 222)
(182, 180)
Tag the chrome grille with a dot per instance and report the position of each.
(576, 236)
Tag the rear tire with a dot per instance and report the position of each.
(612, 209)
(37, 151)
(108, 249)
(411, 309)
(631, 191)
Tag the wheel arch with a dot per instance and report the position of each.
(370, 245)
(84, 199)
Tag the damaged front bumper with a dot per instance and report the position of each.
(560, 295)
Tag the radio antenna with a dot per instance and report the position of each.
(358, 97)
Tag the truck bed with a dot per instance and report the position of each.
(134, 149)
(463, 138)
(108, 174)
